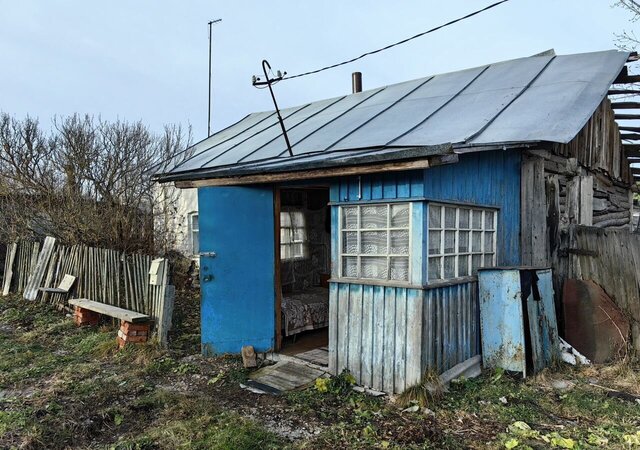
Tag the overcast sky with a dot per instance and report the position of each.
(147, 60)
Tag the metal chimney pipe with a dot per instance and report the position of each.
(356, 82)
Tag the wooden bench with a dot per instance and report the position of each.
(134, 326)
(63, 288)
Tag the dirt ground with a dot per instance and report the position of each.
(68, 387)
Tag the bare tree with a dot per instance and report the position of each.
(88, 181)
(627, 40)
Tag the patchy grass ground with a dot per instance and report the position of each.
(65, 387)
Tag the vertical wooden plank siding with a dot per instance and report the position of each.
(450, 333)
(484, 178)
(378, 334)
(533, 213)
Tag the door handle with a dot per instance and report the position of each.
(207, 278)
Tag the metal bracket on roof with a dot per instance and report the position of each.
(268, 82)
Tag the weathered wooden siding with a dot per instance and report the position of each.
(610, 258)
(485, 178)
(380, 186)
(375, 333)
(451, 331)
(387, 337)
(598, 146)
(592, 174)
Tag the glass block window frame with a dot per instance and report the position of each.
(461, 240)
(293, 236)
(375, 241)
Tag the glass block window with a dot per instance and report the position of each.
(461, 240)
(293, 235)
(374, 241)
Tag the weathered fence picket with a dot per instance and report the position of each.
(102, 275)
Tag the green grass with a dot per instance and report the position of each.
(70, 387)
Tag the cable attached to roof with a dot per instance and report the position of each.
(460, 19)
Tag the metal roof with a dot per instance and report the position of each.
(527, 100)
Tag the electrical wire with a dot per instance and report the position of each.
(289, 77)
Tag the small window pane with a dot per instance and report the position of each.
(449, 242)
(399, 242)
(374, 267)
(488, 260)
(194, 222)
(299, 234)
(297, 219)
(373, 242)
(285, 235)
(400, 268)
(476, 220)
(476, 263)
(285, 220)
(350, 242)
(350, 266)
(488, 220)
(449, 267)
(434, 242)
(435, 216)
(349, 218)
(476, 241)
(464, 219)
(488, 241)
(463, 242)
(373, 216)
(450, 217)
(196, 242)
(400, 216)
(298, 250)
(463, 266)
(434, 268)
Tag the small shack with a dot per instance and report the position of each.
(368, 240)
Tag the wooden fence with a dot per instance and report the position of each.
(103, 275)
(610, 258)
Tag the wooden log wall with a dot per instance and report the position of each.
(592, 174)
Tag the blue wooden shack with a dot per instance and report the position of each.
(392, 201)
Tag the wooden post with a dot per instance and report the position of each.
(278, 274)
(533, 212)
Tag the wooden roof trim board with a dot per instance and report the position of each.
(319, 173)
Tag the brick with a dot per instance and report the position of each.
(126, 327)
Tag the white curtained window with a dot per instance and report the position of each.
(293, 235)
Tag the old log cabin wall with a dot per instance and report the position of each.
(581, 225)
(388, 334)
(585, 182)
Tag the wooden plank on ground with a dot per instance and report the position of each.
(31, 290)
(109, 310)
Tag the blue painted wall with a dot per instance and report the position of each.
(238, 303)
(484, 178)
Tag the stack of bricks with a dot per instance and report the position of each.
(132, 332)
(84, 316)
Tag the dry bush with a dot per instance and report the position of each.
(87, 181)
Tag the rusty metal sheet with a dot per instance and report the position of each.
(593, 324)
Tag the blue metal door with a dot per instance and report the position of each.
(237, 268)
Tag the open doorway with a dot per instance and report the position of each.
(304, 267)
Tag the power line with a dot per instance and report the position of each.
(396, 43)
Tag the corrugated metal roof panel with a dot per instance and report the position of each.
(539, 98)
